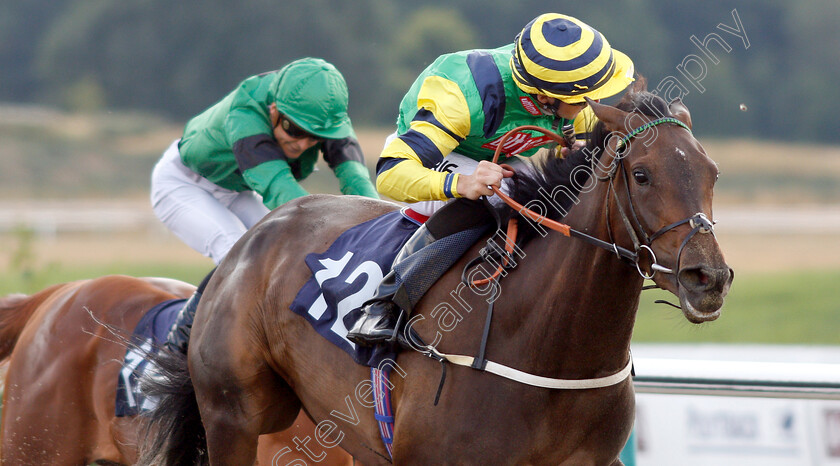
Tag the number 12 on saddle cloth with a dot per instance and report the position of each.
(347, 275)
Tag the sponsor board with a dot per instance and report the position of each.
(697, 430)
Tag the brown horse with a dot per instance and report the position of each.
(59, 398)
(566, 311)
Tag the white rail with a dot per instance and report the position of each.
(738, 378)
(745, 405)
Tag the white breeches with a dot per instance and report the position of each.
(206, 217)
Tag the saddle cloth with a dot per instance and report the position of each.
(347, 275)
(149, 334)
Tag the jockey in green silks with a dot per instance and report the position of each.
(245, 155)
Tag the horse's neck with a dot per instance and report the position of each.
(585, 310)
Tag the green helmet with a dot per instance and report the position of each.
(313, 94)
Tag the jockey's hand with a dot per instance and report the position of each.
(578, 145)
(478, 184)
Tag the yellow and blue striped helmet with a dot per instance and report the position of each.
(564, 58)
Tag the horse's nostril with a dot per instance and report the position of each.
(699, 279)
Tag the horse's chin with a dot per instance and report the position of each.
(699, 308)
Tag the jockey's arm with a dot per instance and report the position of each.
(345, 158)
(406, 176)
(405, 169)
(262, 162)
(263, 167)
(402, 176)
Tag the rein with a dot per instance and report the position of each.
(699, 222)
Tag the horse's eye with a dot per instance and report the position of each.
(641, 176)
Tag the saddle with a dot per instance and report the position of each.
(148, 337)
(349, 273)
(346, 275)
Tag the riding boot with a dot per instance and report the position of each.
(461, 223)
(380, 313)
(179, 333)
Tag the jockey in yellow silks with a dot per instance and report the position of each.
(450, 122)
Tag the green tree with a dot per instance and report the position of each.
(812, 69)
(178, 58)
(181, 57)
(22, 25)
(422, 37)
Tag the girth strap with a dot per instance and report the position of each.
(536, 380)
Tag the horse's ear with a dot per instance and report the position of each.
(613, 118)
(680, 111)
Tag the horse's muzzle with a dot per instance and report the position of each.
(702, 290)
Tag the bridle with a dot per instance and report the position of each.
(698, 222)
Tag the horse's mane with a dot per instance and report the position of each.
(552, 173)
